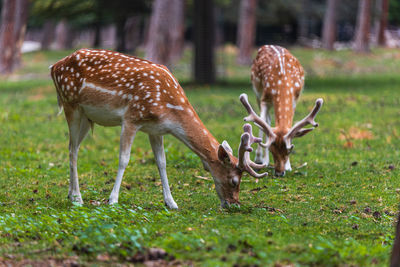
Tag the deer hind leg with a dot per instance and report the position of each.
(262, 155)
(128, 133)
(157, 145)
(79, 126)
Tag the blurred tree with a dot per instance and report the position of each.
(329, 29)
(60, 18)
(204, 64)
(133, 33)
(48, 34)
(302, 23)
(91, 13)
(22, 10)
(394, 12)
(158, 35)
(363, 26)
(64, 35)
(177, 30)
(382, 7)
(119, 11)
(165, 36)
(246, 31)
(12, 31)
(71, 10)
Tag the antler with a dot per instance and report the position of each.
(258, 121)
(297, 130)
(245, 148)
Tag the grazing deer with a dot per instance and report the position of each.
(111, 89)
(278, 79)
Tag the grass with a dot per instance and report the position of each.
(339, 210)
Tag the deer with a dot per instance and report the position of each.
(278, 80)
(113, 89)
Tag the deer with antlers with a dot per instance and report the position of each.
(278, 79)
(111, 89)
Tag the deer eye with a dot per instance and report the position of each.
(234, 181)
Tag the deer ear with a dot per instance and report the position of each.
(303, 132)
(227, 146)
(223, 154)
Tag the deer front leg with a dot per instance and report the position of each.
(128, 133)
(157, 145)
(262, 157)
(79, 126)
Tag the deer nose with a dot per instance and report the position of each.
(225, 204)
(279, 174)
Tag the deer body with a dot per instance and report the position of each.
(278, 79)
(111, 89)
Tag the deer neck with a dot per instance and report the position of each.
(195, 135)
(284, 110)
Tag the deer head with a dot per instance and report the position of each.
(227, 175)
(280, 140)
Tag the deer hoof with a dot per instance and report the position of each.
(76, 198)
(171, 205)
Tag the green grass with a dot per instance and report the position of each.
(339, 210)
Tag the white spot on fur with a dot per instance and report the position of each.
(174, 107)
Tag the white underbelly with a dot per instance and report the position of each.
(161, 127)
(104, 116)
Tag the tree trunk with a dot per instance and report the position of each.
(176, 30)
(120, 34)
(302, 22)
(395, 259)
(64, 35)
(97, 35)
(219, 26)
(21, 18)
(246, 31)
(7, 41)
(363, 26)
(204, 65)
(48, 34)
(381, 22)
(132, 33)
(12, 32)
(329, 29)
(158, 39)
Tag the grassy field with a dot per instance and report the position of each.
(339, 210)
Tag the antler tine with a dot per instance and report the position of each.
(244, 158)
(248, 129)
(257, 120)
(309, 119)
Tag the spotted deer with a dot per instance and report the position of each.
(111, 89)
(278, 79)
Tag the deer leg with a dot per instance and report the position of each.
(263, 156)
(79, 126)
(157, 145)
(128, 133)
